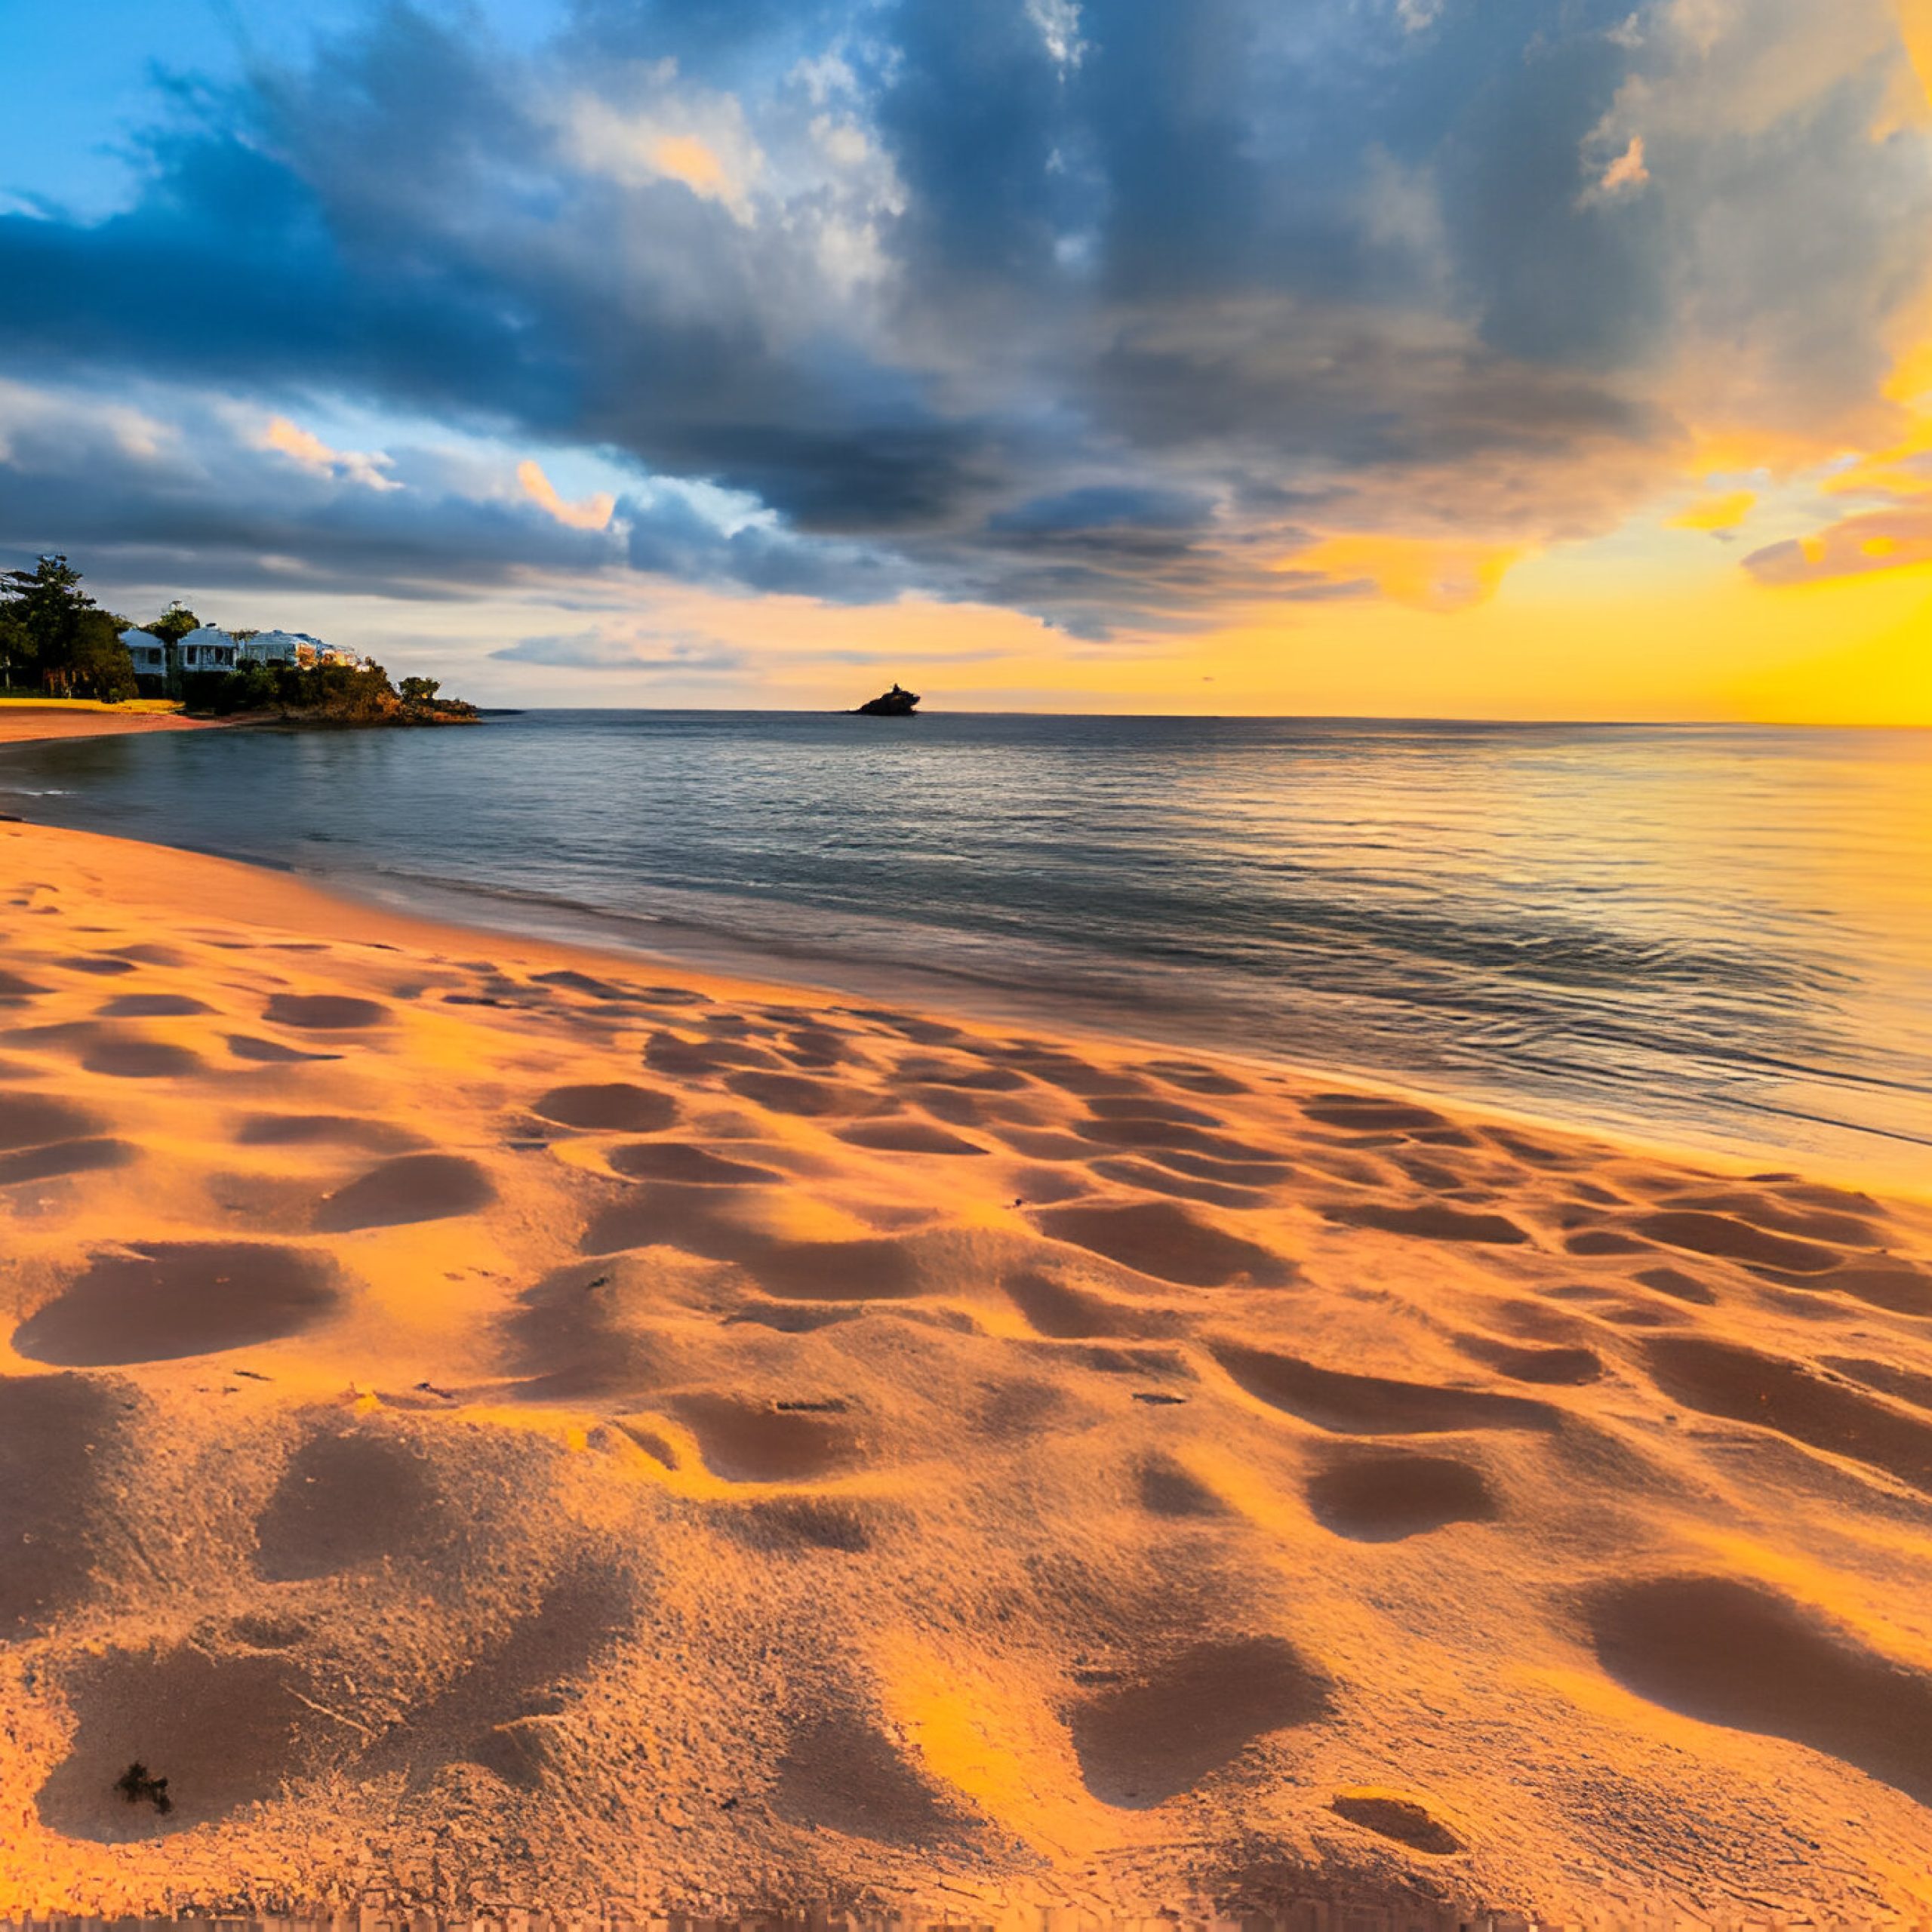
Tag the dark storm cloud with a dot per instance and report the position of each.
(1089, 311)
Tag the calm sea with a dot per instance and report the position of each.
(1722, 936)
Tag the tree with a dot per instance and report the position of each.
(16, 651)
(173, 624)
(46, 605)
(419, 691)
(101, 667)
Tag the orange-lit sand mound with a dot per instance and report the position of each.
(480, 1427)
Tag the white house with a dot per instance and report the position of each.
(210, 648)
(276, 647)
(149, 654)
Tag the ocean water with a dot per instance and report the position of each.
(1716, 936)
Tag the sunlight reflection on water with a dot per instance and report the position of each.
(1722, 935)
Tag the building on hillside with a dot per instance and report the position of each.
(159, 666)
(277, 647)
(210, 648)
(149, 655)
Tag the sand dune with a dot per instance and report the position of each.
(482, 1425)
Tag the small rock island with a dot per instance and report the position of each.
(894, 703)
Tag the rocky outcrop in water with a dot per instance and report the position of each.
(894, 703)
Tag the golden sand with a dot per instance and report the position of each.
(495, 1425)
(23, 719)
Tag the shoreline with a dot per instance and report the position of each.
(28, 722)
(987, 1004)
(572, 1427)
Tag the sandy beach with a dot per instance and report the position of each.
(23, 722)
(493, 1426)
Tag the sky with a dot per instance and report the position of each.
(1500, 358)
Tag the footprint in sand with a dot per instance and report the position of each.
(32, 1120)
(64, 1157)
(224, 1731)
(1731, 1240)
(346, 1500)
(791, 1093)
(1679, 1286)
(1167, 1490)
(1143, 1134)
(1194, 1078)
(1391, 1816)
(163, 1300)
(1387, 1498)
(1161, 1732)
(1430, 1221)
(56, 1431)
(614, 1107)
(1738, 1654)
(1366, 1114)
(269, 1053)
(1848, 1220)
(41, 1138)
(701, 1220)
(325, 1012)
(565, 1342)
(1722, 1378)
(745, 1442)
(152, 1006)
(412, 1188)
(496, 1712)
(1374, 1404)
(1069, 1314)
(904, 1136)
(1595, 1241)
(839, 1774)
(1148, 1179)
(688, 1059)
(790, 1523)
(375, 1136)
(695, 1167)
(1895, 1286)
(1550, 1368)
(122, 1057)
(862, 1270)
(1907, 1385)
(1169, 1242)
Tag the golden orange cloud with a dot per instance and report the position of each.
(591, 513)
(1718, 515)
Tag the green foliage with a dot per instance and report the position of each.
(49, 624)
(332, 691)
(16, 651)
(101, 667)
(419, 691)
(173, 624)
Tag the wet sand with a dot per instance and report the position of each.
(495, 1425)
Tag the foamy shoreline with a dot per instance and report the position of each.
(495, 1424)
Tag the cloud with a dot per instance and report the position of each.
(594, 512)
(696, 139)
(607, 649)
(367, 468)
(1720, 515)
(1627, 170)
(1897, 538)
(1126, 318)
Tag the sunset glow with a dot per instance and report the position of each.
(1246, 370)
